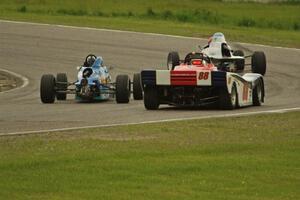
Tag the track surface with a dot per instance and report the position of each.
(33, 50)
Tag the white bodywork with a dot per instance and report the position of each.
(214, 49)
(244, 85)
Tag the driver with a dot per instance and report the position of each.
(89, 61)
(195, 55)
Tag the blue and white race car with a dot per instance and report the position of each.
(93, 83)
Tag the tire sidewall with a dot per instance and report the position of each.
(47, 88)
(137, 87)
(122, 89)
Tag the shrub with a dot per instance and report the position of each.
(247, 22)
(167, 14)
(72, 12)
(296, 26)
(22, 9)
(150, 12)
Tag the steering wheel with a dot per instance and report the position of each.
(88, 59)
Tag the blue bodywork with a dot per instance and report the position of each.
(93, 83)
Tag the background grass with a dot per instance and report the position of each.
(227, 158)
(271, 23)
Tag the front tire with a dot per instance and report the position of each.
(62, 85)
(137, 87)
(258, 62)
(47, 88)
(228, 101)
(173, 60)
(122, 89)
(240, 64)
(151, 99)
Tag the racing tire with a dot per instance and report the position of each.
(228, 101)
(173, 60)
(240, 64)
(258, 63)
(151, 100)
(137, 87)
(122, 89)
(257, 97)
(47, 88)
(61, 84)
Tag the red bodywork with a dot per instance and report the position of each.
(196, 65)
(185, 74)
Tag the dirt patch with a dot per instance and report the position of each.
(8, 81)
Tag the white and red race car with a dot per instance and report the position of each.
(196, 81)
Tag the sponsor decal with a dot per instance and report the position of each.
(245, 92)
(229, 80)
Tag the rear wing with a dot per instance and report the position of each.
(183, 78)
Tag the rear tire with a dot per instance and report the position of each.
(122, 89)
(137, 87)
(240, 64)
(151, 100)
(63, 86)
(47, 88)
(173, 60)
(228, 101)
(257, 97)
(258, 62)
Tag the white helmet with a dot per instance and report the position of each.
(218, 37)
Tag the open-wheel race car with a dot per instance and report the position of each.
(197, 81)
(224, 58)
(93, 83)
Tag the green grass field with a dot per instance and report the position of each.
(272, 23)
(254, 157)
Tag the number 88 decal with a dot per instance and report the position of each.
(203, 75)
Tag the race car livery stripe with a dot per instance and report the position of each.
(183, 78)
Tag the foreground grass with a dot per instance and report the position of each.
(273, 23)
(228, 158)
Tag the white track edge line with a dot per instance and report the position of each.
(135, 32)
(151, 122)
(23, 78)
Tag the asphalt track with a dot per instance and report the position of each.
(32, 50)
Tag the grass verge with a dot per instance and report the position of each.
(228, 158)
(271, 23)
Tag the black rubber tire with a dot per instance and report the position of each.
(151, 99)
(61, 77)
(258, 62)
(137, 87)
(173, 60)
(225, 99)
(47, 88)
(240, 64)
(257, 96)
(122, 89)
